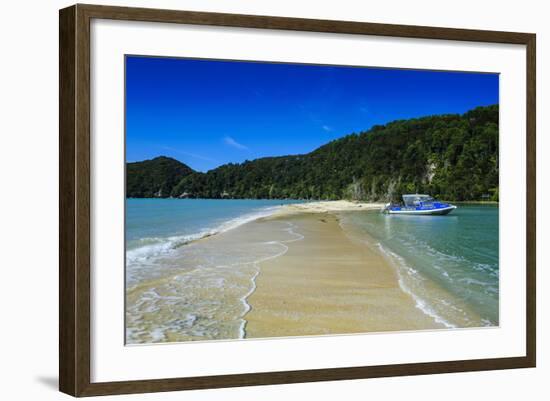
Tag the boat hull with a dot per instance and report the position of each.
(426, 212)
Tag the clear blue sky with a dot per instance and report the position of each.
(207, 113)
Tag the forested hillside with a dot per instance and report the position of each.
(452, 157)
(154, 178)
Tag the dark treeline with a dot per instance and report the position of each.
(154, 178)
(452, 157)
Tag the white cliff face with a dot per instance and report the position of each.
(430, 172)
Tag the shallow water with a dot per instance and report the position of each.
(449, 263)
(180, 289)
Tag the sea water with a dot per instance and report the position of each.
(180, 289)
(449, 264)
(156, 226)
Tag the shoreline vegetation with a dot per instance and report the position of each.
(451, 157)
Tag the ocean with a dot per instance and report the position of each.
(156, 226)
(178, 288)
(449, 264)
(181, 289)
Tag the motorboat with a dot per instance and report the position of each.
(418, 204)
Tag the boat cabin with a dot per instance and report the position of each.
(415, 200)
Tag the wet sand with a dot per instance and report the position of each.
(328, 283)
(294, 273)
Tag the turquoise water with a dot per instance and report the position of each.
(166, 219)
(154, 227)
(180, 289)
(448, 263)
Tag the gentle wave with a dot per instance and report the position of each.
(200, 291)
(455, 260)
(404, 269)
(244, 299)
(156, 246)
(450, 267)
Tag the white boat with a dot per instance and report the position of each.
(419, 204)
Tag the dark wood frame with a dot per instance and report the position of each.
(74, 199)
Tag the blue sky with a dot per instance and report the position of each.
(206, 113)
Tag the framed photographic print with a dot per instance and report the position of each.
(250, 200)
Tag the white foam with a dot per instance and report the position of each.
(157, 335)
(247, 218)
(249, 267)
(162, 246)
(247, 307)
(244, 299)
(419, 302)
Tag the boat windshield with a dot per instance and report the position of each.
(416, 199)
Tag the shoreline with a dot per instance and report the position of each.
(257, 263)
(310, 273)
(301, 200)
(329, 284)
(327, 207)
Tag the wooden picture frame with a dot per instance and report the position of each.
(74, 203)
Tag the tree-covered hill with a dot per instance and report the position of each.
(154, 178)
(453, 157)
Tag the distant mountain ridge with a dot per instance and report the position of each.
(454, 157)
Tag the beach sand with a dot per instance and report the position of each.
(294, 273)
(327, 206)
(328, 282)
